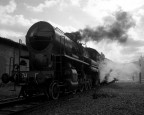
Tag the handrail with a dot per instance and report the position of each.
(11, 61)
(59, 30)
(20, 42)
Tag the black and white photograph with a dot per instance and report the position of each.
(71, 57)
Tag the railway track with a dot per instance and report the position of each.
(14, 106)
(9, 102)
(19, 106)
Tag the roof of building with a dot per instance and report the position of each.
(12, 43)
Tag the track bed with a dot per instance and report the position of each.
(122, 98)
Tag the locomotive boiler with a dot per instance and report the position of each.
(58, 64)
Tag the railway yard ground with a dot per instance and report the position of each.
(8, 91)
(120, 98)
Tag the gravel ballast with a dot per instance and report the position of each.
(125, 98)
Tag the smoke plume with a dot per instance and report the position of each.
(116, 30)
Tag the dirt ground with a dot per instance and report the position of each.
(121, 98)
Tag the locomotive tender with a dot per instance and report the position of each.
(57, 64)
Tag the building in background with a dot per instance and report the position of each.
(9, 50)
(141, 74)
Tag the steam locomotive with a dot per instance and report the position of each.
(57, 64)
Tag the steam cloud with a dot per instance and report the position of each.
(122, 72)
(117, 30)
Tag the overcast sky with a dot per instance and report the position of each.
(16, 16)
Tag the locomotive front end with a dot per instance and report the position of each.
(39, 36)
(39, 40)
